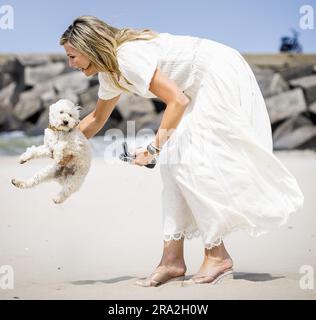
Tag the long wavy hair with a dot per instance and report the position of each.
(99, 42)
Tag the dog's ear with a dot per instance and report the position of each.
(79, 108)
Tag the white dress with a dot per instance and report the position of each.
(218, 169)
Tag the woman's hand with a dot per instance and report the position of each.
(64, 161)
(143, 157)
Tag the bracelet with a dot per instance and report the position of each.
(153, 150)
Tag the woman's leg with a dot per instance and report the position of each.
(171, 265)
(172, 260)
(216, 261)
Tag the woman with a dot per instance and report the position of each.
(214, 142)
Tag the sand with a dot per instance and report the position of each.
(107, 235)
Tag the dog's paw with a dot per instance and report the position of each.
(23, 158)
(17, 183)
(58, 200)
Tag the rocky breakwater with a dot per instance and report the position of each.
(30, 83)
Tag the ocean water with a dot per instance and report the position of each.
(15, 143)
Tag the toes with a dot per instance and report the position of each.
(203, 279)
(147, 283)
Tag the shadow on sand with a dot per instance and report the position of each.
(255, 277)
(107, 281)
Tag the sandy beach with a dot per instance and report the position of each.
(96, 244)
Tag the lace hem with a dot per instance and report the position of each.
(253, 231)
(188, 235)
(183, 234)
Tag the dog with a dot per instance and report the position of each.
(69, 148)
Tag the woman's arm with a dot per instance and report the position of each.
(94, 121)
(176, 101)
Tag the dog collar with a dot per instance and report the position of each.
(55, 129)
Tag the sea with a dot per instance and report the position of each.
(15, 143)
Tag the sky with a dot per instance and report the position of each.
(249, 26)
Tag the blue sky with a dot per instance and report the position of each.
(248, 26)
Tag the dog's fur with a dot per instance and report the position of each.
(62, 142)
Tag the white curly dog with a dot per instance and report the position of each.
(69, 148)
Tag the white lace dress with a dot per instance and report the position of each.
(218, 169)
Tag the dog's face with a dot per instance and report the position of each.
(64, 115)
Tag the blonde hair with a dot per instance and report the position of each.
(99, 42)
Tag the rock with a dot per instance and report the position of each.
(88, 100)
(158, 104)
(34, 75)
(132, 106)
(5, 79)
(29, 103)
(94, 81)
(13, 71)
(30, 83)
(295, 138)
(137, 109)
(308, 83)
(7, 97)
(110, 124)
(297, 72)
(58, 57)
(139, 122)
(312, 107)
(48, 98)
(309, 144)
(11, 64)
(270, 83)
(33, 59)
(75, 81)
(289, 125)
(285, 105)
(40, 125)
(70, 95)
(6, 105)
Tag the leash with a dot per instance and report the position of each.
(126, 156)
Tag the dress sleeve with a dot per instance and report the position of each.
(138, 61)
(107, 91)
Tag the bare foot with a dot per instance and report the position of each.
(162, 274)
(171, 265)
(172, 270)
(210, 270)
(216, 261)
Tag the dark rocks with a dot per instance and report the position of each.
(29, 103)
(308, 84)
(294, 132)
(270, 82)
(297, 72)
(34, 75)
(288, 84)
(286, 104)
(30, 83)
